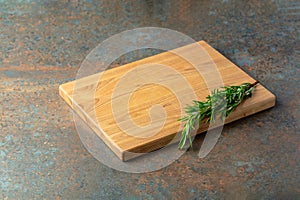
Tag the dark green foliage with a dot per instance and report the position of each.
(218, 106)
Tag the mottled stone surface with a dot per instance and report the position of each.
(42, 44)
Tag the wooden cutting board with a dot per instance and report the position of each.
(117, 103)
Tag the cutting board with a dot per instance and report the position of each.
(135, 108)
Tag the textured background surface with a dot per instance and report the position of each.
(42, 44)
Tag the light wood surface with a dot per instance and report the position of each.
(121, 104)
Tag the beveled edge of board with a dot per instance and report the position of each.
(91, 123)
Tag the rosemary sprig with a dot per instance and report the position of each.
(218, 105)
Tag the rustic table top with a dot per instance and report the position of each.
(42, 45)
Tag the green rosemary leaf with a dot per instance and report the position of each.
(218, 105)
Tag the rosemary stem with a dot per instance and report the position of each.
(213, 108)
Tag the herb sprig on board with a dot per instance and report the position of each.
(217, 106)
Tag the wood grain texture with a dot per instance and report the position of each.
(118, 104)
